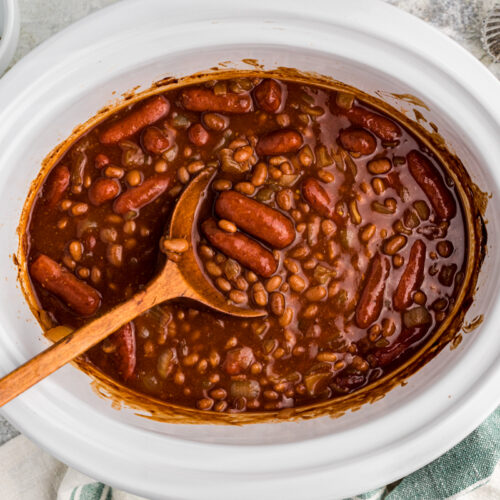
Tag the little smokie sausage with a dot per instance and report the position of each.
(408, 336)
(124, 340)
(357, 140)
(146, 114)
(279, 142)
(381, 126)
(372, 297)
(198, 135)
(412, 277)
(82, 298)
(154, 140)
(101, 160)
(432, 184)
(57, 183)
(200, 99)
(316, 195)
(103, 190)
(140, 196)
(268, 95)
(255, 218)
(241, 248)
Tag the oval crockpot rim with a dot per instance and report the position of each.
(299, 447)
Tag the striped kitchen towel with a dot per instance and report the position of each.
(28, 473)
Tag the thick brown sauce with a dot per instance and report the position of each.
(286, 367)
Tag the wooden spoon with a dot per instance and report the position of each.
(177, 279)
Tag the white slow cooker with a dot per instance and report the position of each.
(365, 43)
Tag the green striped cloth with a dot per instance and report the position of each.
(91, 491)
(465, 467)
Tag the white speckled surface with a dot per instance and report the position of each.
(459, 19)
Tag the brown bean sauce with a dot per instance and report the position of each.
(323, 211)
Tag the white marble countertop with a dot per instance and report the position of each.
(459, 19)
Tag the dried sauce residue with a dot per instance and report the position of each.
(419, 116)
(473, 199)
(411, 99)
(473, 324)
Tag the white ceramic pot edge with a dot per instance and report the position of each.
(481, 391)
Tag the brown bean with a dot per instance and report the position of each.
(79, 209)
(382, 127)
(259, 294)
(379, 166)
(297, 283)
(431, 182)
(367, 233)
(227, 226)
(134, 178)
(378, 185)
(325, 176)
(103, 190)
(145, 114)
(114, 254)
(285, 319)
(245, 188)
(394, 244)
(241, 248)
(255, 218)
(354, 213)
(357, 141)
(154, 140)
(223, 284)
(176, 245)
(222, 185)
(420, 298)
(259, 175)
(279, 142)
(198, 135)
(316, 293)
(238, 296)
(268, 95)
(201, 99)
(114, 172)
(273, 283)
(213, 269)
(277, 303)
(243, 153)
(75, 250)
(135, 198)
(284, 199)
(372, 296)
(216, 122)
(56, 185)
(79, 296)
(412, 277)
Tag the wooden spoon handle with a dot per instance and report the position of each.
(79, 341)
